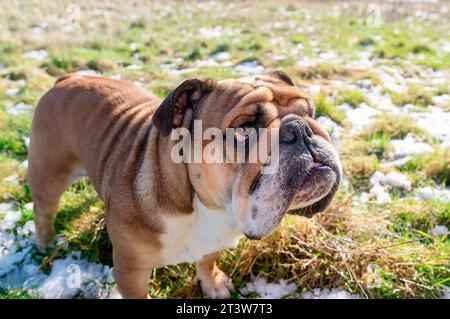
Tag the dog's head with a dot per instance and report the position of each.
(308, 172)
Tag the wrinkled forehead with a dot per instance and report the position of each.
(248, 90)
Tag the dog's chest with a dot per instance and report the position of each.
(205, 231)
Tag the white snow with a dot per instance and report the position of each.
(359, 117)
(334, 293)
(221, 56)
(12, 179)
(70, 276)
(87, 73)
(12, 92)
(74, 277)
(249, 67)
(9, 220)
(333, 128)
(441, 100)
(210, 33)
(393, 179)
(397, 163)
(266, 290)
(398, 180)
(380, 193)
(427, 193)
(18, 109)
(435, 122)
(38, 55)
(440, 230)
(410, 146)
(134, 67)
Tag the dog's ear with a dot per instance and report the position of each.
(171, 112)
(281, 76)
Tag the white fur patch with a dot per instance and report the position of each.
(205, 231)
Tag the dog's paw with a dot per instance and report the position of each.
(218, 287)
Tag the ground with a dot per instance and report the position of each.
(379, 77)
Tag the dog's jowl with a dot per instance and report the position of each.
(160, 211)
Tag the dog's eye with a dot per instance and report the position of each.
(247, 125)
(244, 131)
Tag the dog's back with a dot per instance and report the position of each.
(84, 125)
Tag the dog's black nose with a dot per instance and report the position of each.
(294, 129)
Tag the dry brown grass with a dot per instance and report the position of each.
(316, 253)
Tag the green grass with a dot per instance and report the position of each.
(434, 166)
(326, 108)
(15, 294)
(352, 97)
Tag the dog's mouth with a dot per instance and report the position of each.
(303, 185)
(317, 184)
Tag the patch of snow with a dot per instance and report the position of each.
(445, 144)
(397, 163)
(18, 109)
(393, 179)
(376, 178)
(9, 220)
(441, 100)
(364, 84)
(334, 293)
(333, 128)
(446, 294)
(428, 193)
(410, 146)
(435, 122)
(38, 55)
(11, 179)
(221, 56)
(210, 33)
(8, 206)
(314, 90)
(380, 193)
(24, 165)
(266, 290)
(397, 180)
(87, 73)
(391, 79)
(12, 92)
(70, 276)
(134, 46)
(26, 141)
(184, 71)
(248, 67)
(440, 230)
(133, 67)
(359, 117)
(74, 277)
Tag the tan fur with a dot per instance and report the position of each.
(104, 127)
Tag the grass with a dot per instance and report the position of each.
(415, 96)
(378, 251)
(326, 108)
(434, 166)
(352, 97)
(15, 294)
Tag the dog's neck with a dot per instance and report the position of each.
(161, 183)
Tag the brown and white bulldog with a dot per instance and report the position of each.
(159, 212)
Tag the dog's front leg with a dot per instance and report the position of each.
(213, 281)
(131, 273)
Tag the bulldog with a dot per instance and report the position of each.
(159, 212)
